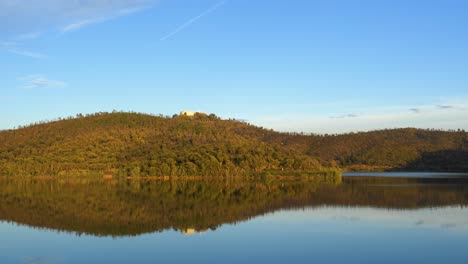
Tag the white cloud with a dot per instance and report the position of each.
(344, 116)
(40, 81)
(79, 24)
(98, 19)
(24, 18)
(27, 53)
(423, 116)
(193, 20)
(15, 48)
(445, 106)
(30, 35)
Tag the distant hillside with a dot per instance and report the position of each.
(395, 149)
(132, 144)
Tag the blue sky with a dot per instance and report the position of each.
(321, 66)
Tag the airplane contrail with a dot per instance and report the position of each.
(193, 20)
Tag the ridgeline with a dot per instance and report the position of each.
(406, 149)
(133, 144)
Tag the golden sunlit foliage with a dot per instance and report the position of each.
(132, 144)
(400, 149)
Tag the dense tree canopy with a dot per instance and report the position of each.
(130, 144)
(395, 149)
(133, 144)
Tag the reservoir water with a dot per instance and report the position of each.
(361, 218)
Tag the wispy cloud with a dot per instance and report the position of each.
(430, 108)
(420, 116)
(344, 116)
(40, 81)
(445, 106)
(30, 35)
(79, 24)
(25, 19)
(193, 20)
(99, 19)
(26, 53)
(15, 48)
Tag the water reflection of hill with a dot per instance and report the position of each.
(136, 207)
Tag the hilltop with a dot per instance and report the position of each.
(134, 144)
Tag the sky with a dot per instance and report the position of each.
(314, 66)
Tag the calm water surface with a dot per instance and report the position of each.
(358, 219)
(408, 174)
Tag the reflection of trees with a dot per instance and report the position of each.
(135, 207)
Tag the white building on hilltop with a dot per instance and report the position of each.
(190, 113)
(187, 113)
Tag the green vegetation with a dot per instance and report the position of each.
(133, 144)
(130, 144)
(394, 149)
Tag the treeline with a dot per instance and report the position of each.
(132, 144)
(394, 149)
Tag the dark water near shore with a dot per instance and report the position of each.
(359, 218)
(421, 175)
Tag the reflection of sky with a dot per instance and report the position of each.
(455, 218)
(323, 235)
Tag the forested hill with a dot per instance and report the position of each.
(132, 144)
(395, 149)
